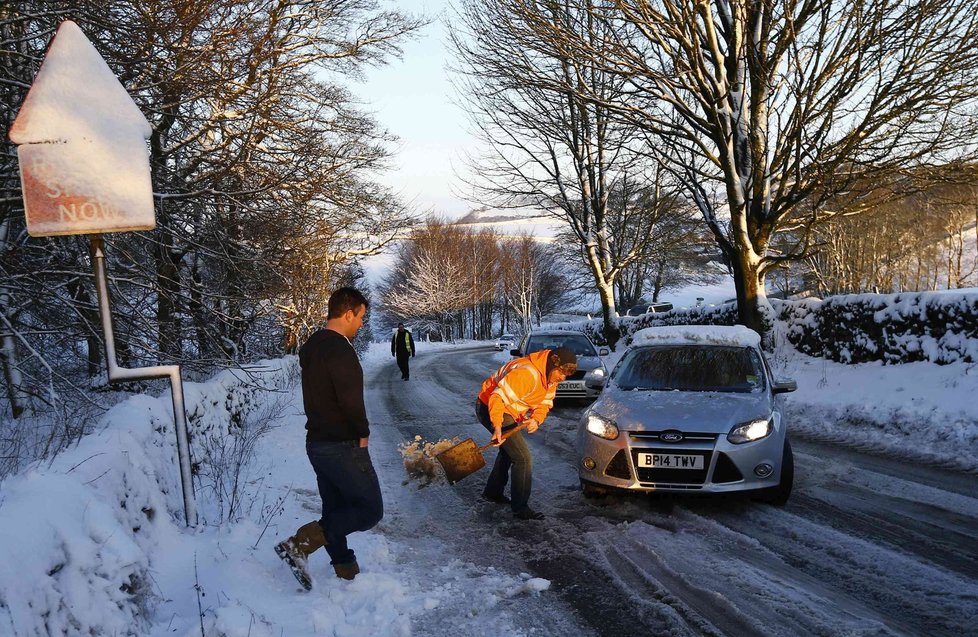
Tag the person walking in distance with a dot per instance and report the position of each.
(402, 346)
(521, 391)
(337, 432)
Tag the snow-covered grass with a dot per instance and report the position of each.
(921, 411)
(93, 542)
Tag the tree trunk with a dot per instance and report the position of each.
(752, 305)
(11, 376)
(8, 352)
(168, 291)
(611, 331)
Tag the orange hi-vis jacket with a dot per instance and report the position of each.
(519, 388)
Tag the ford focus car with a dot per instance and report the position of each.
(689, 409)
(589, 378)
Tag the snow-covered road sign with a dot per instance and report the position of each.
(84, 165)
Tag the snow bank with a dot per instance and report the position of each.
(75, 536)
(79, 536)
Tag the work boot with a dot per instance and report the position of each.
(528, 514)
(496, 499)
(348, 570)
(296, 550)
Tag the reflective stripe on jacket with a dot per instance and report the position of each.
(405, 345)
(519, 388)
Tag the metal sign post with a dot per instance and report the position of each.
(84, 169)
(117, 374)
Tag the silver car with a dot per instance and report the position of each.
(689, 409)
(504, 342)
(591, 371)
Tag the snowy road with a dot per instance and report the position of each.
(866, 546)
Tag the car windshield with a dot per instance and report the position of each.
(506, 337)
(577, 343)
(691, 368)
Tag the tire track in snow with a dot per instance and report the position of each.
(868, 545)
(429, 519)
(914, 597)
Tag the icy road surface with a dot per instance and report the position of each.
(867, 545)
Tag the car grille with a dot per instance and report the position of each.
(654, 436)
(672, 476)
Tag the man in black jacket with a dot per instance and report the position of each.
(402, 346)
(336, 442)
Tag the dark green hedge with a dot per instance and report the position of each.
(940, 327)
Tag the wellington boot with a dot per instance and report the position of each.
(347, 571)
(296, 550)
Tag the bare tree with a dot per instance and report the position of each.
(551, 147)
(532, 282)
(767, 110)
(433, 289)
(652, 219)
(917, 242)
(264, 174)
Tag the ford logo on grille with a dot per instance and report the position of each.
(670, 436)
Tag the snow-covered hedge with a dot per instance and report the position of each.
(939, 327)
(79, 533)
(710, 315)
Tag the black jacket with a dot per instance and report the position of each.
(332, 388)
(402, 346)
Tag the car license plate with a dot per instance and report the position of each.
(571, 385)
(669, 461)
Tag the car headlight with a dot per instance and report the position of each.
(597, 373)
(751, 431)
(602, 427)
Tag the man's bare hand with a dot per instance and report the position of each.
(363, 442)
(497, 436)
(532, 425)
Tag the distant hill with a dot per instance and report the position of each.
(513, 222)
(479, 216)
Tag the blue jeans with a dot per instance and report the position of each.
(513, 457)
(350, 491)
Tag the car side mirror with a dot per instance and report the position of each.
(604, 351)
(784, 386)
(514, 352)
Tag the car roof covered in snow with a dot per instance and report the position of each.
(736, 335)
(552, 332)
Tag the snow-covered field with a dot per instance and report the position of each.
(107, 514)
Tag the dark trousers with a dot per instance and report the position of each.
(402, 362)
(350, 491)
(513, 457)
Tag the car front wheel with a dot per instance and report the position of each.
(779, 495)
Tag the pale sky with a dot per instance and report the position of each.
(413, 98)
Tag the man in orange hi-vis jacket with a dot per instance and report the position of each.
(521, 391)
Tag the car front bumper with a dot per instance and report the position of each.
(577, 389)
(726, 468)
